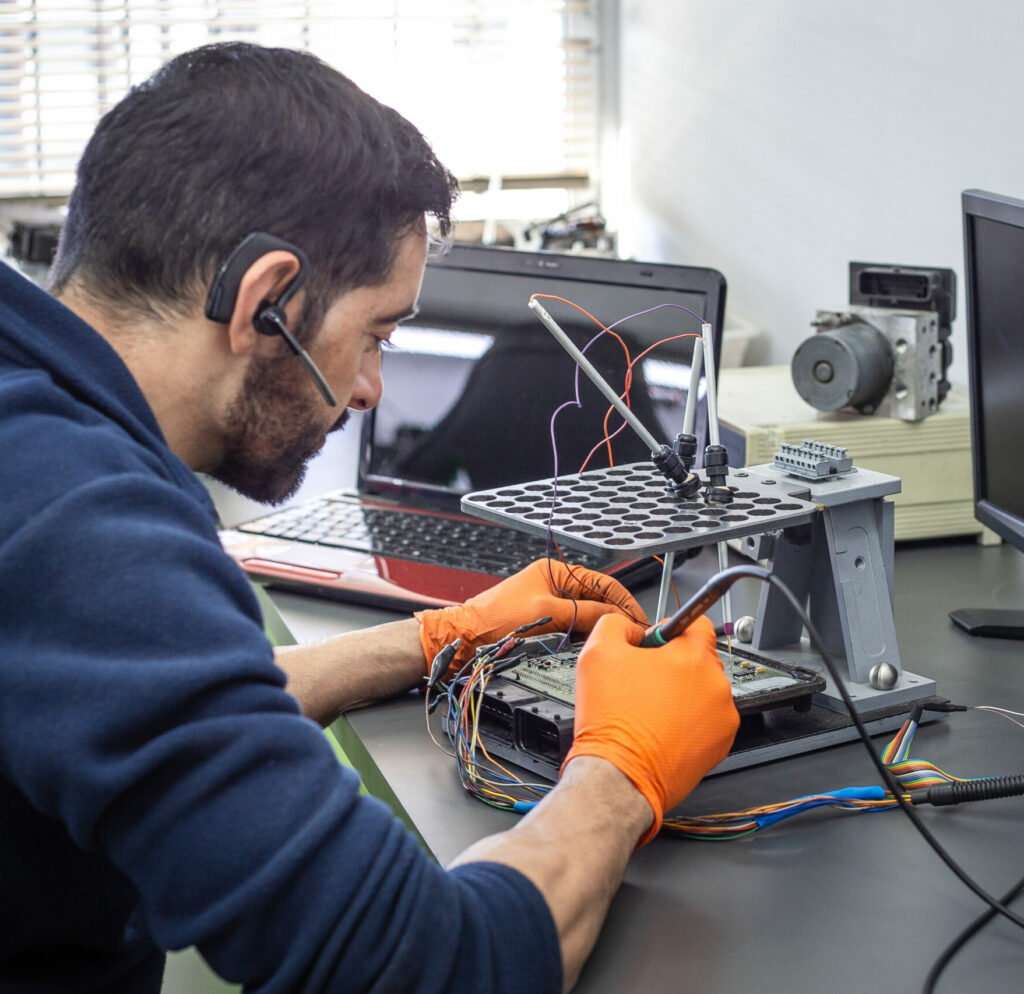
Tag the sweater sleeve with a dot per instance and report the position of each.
(141, 707)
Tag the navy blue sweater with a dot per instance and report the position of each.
(158, 787)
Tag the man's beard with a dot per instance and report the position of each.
(274, 430)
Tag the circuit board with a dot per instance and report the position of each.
(547, 669)
(527, 713)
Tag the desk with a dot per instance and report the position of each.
(828, 900)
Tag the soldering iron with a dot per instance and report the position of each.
(698, 604)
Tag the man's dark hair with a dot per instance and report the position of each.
(234, 138)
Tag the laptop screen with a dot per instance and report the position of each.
(474, 381)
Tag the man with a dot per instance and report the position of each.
(161, 784)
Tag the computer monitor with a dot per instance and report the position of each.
(994, 274)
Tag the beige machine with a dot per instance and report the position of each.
(758, 408)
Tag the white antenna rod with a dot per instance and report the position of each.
(668, 564)
(715, 439)
(710, 386)
(599, 381)
(689, 420)
(696, 363)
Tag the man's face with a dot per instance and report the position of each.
(279, 421)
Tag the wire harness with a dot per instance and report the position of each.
(906, 783)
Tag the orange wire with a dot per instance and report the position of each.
(679, 602)
(629, 375)
(615, 335)
(629, 378)
(627, 383)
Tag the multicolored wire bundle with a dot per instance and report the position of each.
(490, 781)
(480, 773)
(914, 774)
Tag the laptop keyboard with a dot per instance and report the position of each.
(428, 538)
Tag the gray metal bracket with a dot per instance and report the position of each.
(841, 567)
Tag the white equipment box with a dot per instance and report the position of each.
(758, 407)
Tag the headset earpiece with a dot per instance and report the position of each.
(270, 318)
(220, 301)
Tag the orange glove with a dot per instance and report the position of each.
(576, 598)
(664, 716)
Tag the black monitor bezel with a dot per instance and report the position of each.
(1008, 210)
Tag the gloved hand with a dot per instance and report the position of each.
(576, 598)
(663, 716)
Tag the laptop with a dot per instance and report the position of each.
(470, 391)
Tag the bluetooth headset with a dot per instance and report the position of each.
(270, 317)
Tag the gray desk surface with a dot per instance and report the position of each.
(828, 900)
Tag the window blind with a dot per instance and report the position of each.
(505, 90)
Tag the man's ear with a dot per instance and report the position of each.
(265, 280)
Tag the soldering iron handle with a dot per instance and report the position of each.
(698, 604)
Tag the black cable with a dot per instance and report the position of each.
(894, 788)
(971, 790)
(964, 937)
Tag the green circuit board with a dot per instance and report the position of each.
(550, 669)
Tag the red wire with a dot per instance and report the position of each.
(629, 376)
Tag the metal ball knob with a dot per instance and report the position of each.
(743, 628)
(883, 676)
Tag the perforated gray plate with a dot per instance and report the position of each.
(625, 511)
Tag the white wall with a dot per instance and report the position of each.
(776, 140)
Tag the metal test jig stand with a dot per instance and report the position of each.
(824, 526)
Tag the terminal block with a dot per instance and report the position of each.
(812, 460)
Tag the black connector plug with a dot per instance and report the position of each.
(685, 446)
(970, 790)
(716, 466)
(680, 482)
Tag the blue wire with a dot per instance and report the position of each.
(873, 793)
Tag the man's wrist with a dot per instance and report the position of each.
(612, 788)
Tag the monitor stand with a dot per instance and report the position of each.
(991, 622)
